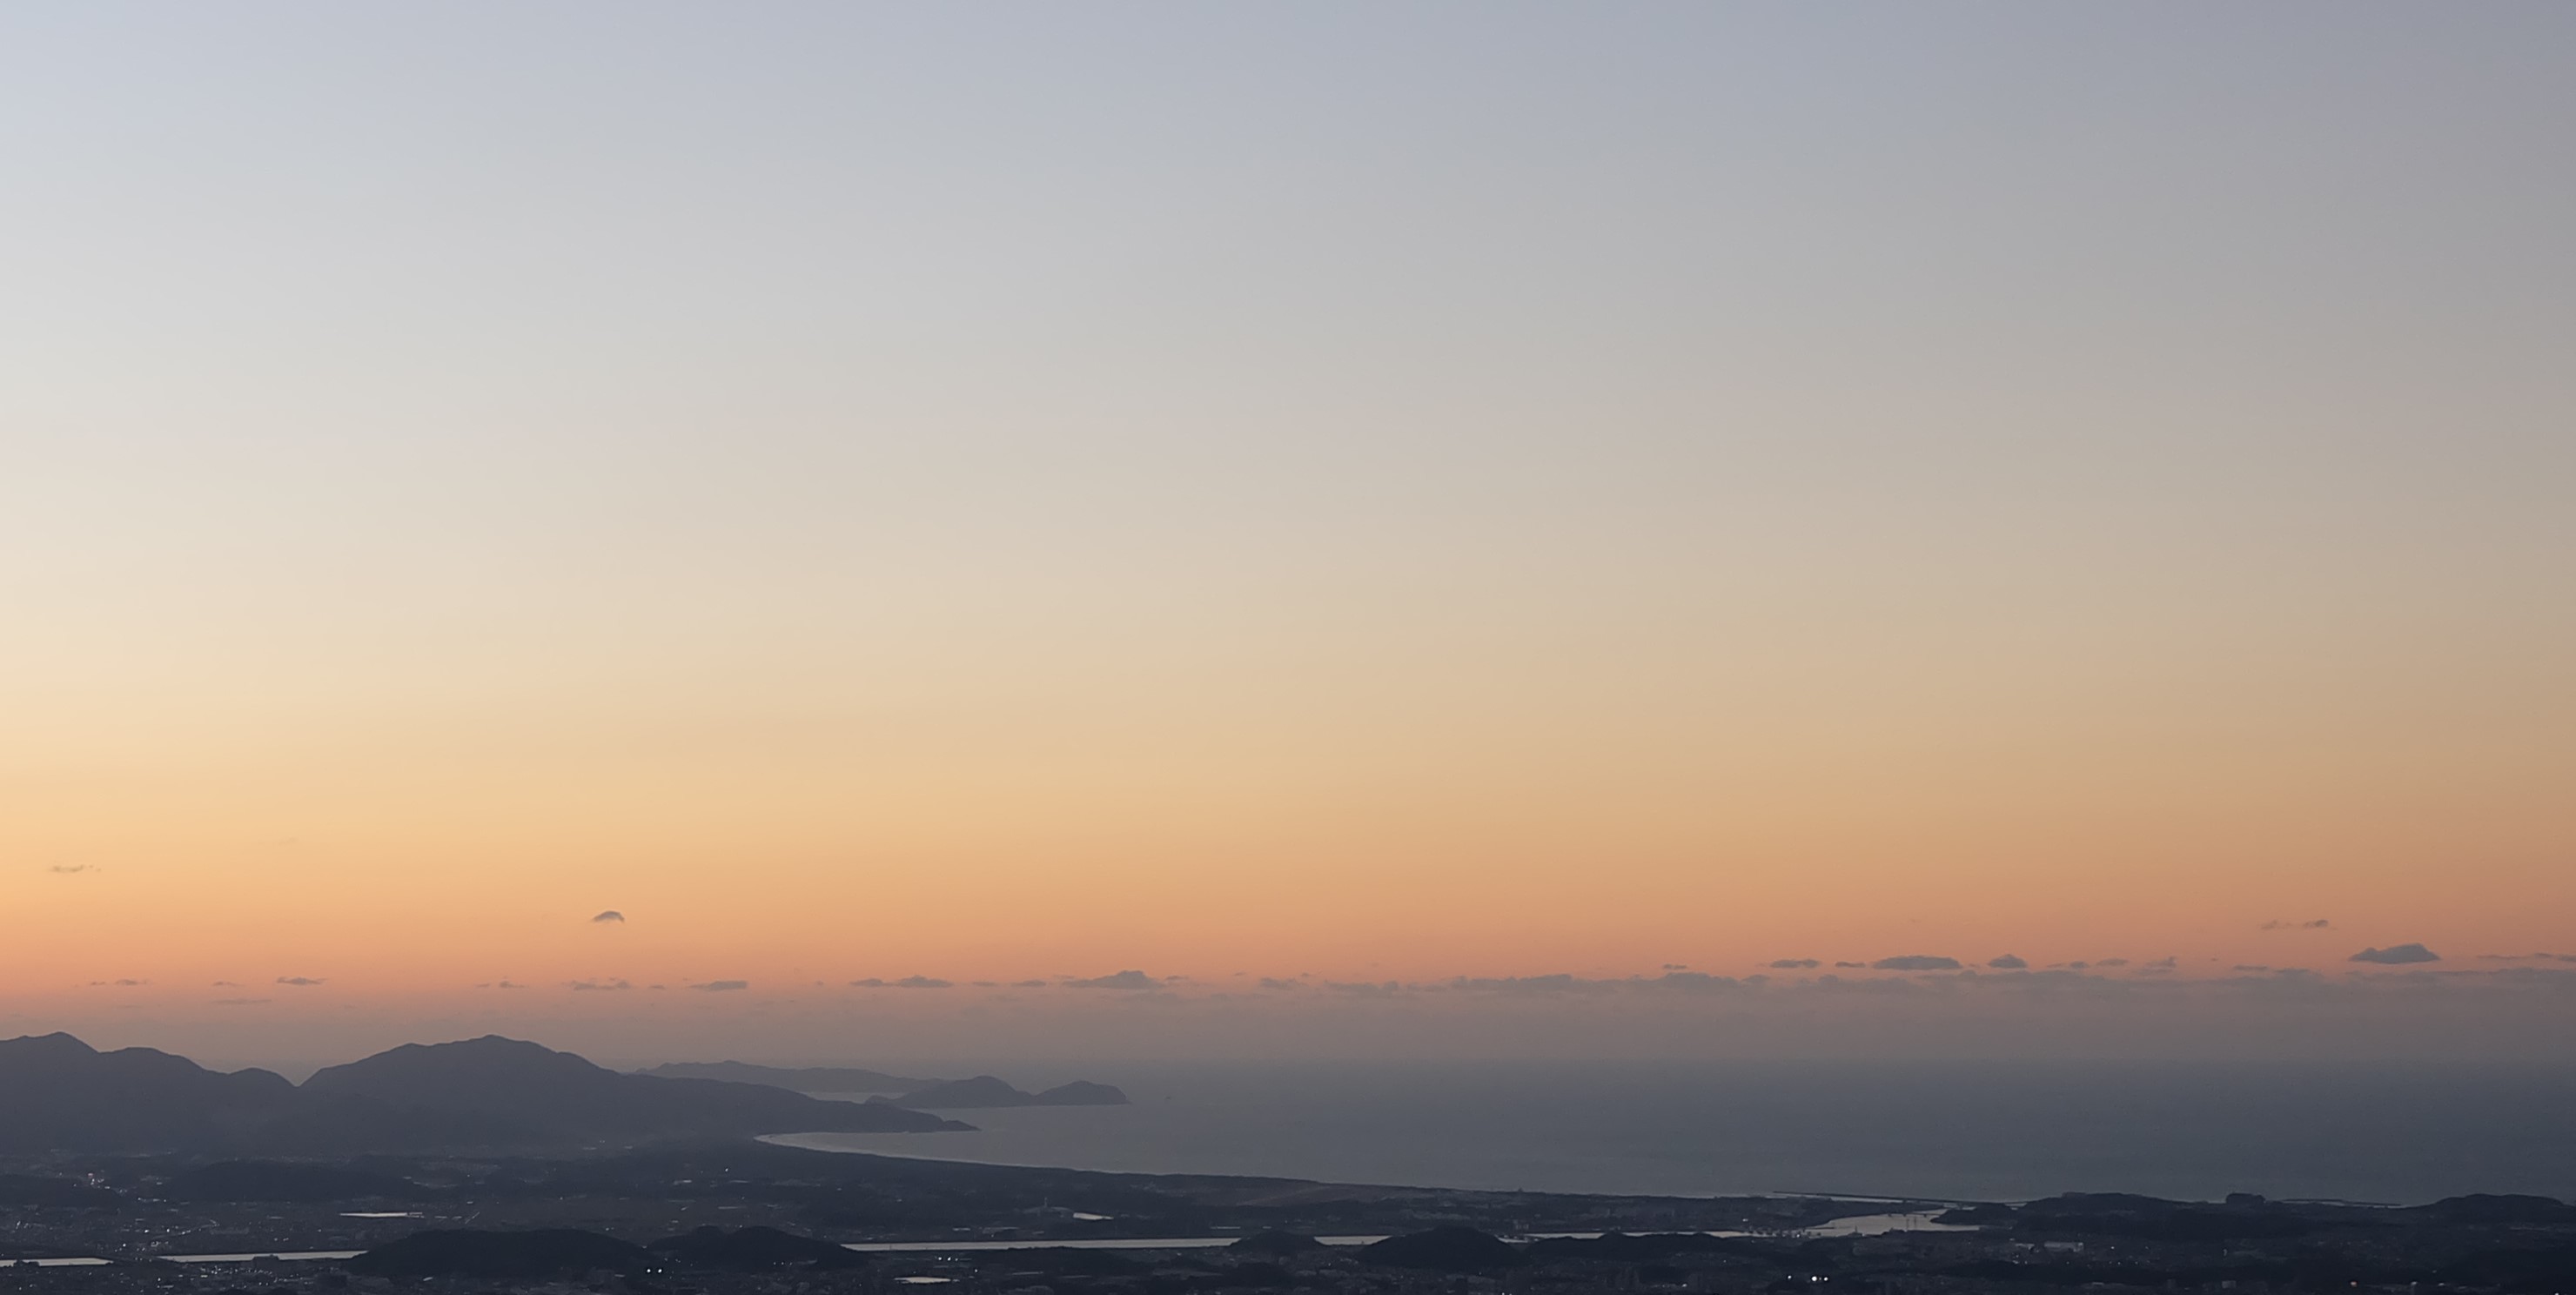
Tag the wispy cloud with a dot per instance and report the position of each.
(1568, 983)
(2397, 955)
(1557, 983)
(1364, 988)
(68, 869)
(1115, 980)
(300, 982)
(923, 982)
(611, 916)
(1916, 962)
(2007, 962)
(1793, 964)
(2318, 924)
(720, 986)
(1695, 980)
(609, 984)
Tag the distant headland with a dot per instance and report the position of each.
(980, 1092)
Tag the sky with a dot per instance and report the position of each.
(1522, 507)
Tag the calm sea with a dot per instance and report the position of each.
(1964, 1131)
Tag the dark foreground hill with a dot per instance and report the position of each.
(754, 1249)
(58, 1094)
(1444, 1249)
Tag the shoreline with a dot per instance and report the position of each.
(1935, 1203)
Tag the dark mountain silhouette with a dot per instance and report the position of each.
(753, 1249)
(502, 1256)
(59, 1094)
(339, 1124)
(557, 1094)
(2077, 1204)
(985, 1091)
(2242, 1217)
(2121, 1214)
(1448, 1250)
(2484, 1210)
(1984, 1215)
(809, 1079)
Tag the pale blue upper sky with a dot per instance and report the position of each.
(1142, 277)
(1746, 370)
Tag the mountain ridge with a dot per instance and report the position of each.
(57, 1093)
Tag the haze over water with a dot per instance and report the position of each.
(2398, 1134)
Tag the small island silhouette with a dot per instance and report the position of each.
(979, 1092)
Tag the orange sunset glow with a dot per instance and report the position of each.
(615, 530)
